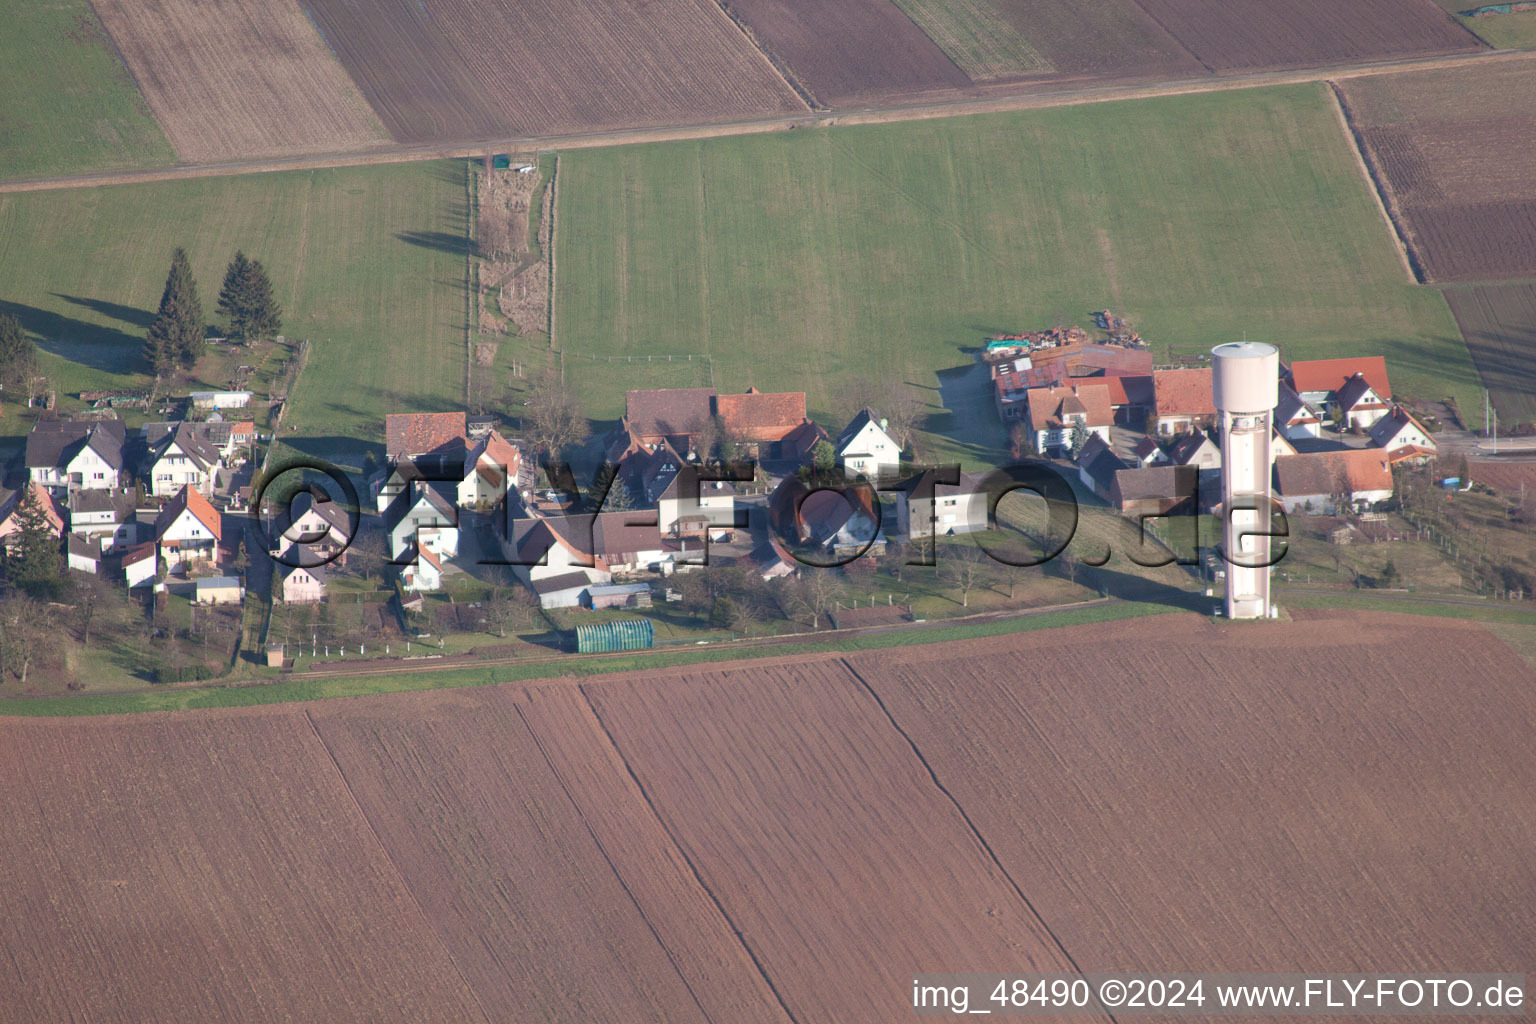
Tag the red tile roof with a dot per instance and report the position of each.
(423, 433)
(1049, 406)
(1183, 393)
(191, 500)
(1363, 469)
(762, 417)
(669, 412)
(1330, 374)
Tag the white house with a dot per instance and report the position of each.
(66, 455)
(187, 531)
(491, 466)
(925, 507)
(183, 459)
(1295, 417)
(1058, 414)
(322, 529)
(1360, 403)
(864, 448)
(426, 520)
(554, 567)
(1196, 448)
(1148, 453)
(1398, 430)
(691, 505)
(424, 573)
(104, 516)
(297, 584)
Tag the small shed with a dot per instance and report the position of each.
(619, 595)
(619, 635)
(219, 590)
(274, 656)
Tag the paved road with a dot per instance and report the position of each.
(1002, 99)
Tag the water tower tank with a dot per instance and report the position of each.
(1246, 376)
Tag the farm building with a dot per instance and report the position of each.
(415, 434)
(1320, 482)
(618, 595)
(1156, 490)
(619, 635)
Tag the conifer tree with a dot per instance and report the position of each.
(176, 337)
(33, 564)
(246, 300)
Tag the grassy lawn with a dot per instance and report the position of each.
(368, 264)
(812, 259)
(68, 105)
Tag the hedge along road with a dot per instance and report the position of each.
(990, 102)
(435, 674)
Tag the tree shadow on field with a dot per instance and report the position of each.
(100, 348)
(127, 314)
(440, 241)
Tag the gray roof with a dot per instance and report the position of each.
(100, 499)
(53, 443)
(218, 581)
(565, 581)
(191, 442)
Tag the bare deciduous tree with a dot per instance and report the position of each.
(552, 417)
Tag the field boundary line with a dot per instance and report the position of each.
(554, 213)
(1376, 180)
(1154, 19)
(990, 101)
(602, 849)
(965, 817)
(379, 841)
(698, 876)
(780, 66)
(471, 278)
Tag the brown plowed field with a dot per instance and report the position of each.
(1499, 324)
(1455, 149)
(199, 867)
(1231, 36)
(230, 80)
(790, 838)
(537, 861)
(450, 69)
(1352, 792)
(845, 51)
(843, 866)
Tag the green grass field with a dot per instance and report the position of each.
(67, 104)
(368, 264)
(813, 258)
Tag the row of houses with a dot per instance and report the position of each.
(66, 456)
(1168, 466)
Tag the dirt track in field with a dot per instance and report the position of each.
(1001, 99)
(247, 79)
(787, 839)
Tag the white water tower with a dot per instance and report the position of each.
(1246, 378)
